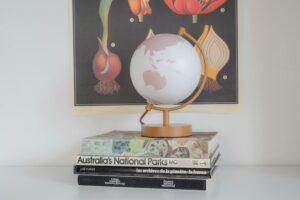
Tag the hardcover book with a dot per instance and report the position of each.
(96, 169)
(147, 180)
(205, 173)
(142, 182)
(129, 143)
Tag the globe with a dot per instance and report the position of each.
(165, 69)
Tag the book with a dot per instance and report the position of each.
(94, 170)
(148, 180)
(81, 169)
(142, 182)
(130, 143)
(122, 161)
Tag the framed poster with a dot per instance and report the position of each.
(107, 32)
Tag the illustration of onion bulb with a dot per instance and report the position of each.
(106, 65)
(140, 8)
(216, 53)
(106, 68)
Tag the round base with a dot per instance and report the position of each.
(171, 131)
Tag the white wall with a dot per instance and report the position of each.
(38, 126)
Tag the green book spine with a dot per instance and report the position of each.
(122, 143)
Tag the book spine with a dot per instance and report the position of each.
(142, 182)
(158, 147)
(79, 169)
(119, 161)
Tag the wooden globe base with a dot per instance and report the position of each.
(171, 131)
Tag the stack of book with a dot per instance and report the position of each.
(125, 159)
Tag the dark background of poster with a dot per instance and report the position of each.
(127, 36)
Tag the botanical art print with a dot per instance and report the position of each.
(107, 32)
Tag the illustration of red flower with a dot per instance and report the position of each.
(140, 8)
(194, 7)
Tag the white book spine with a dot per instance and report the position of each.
(119, 161)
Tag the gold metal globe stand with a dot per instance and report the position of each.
(167, 130)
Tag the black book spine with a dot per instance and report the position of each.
(79, 169)
(142, 182)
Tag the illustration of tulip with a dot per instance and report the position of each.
(194, 7)
(106, 65)
(140, 8)
(216, 53)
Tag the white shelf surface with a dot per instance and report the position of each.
(241, 183)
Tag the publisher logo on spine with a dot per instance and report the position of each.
(168, 184)
(114, 181)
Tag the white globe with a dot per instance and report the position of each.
(165, 69)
